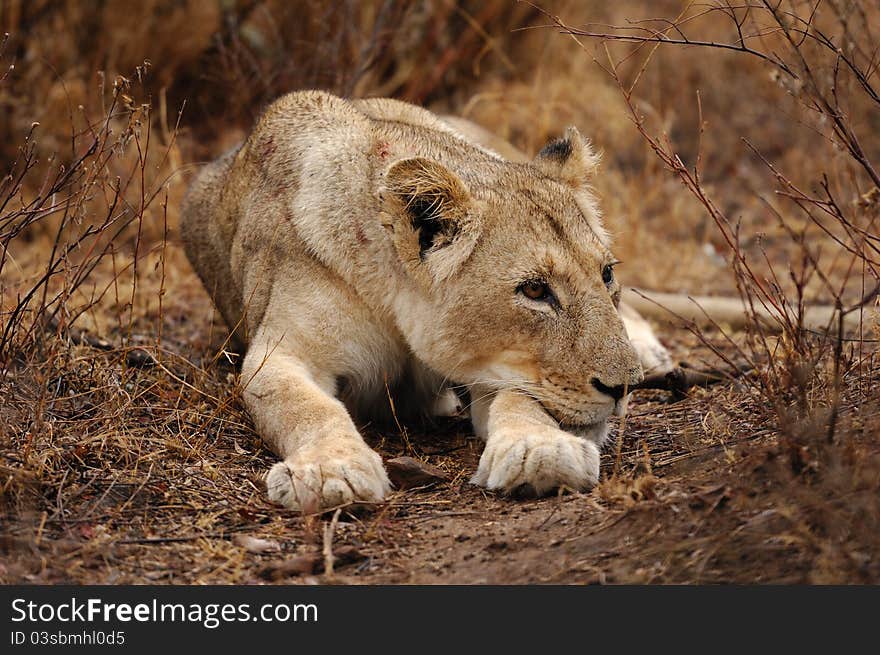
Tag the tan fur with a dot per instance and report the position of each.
(357, 246)
(636, 304)
(654, 357)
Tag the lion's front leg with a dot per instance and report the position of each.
(325, 462)
(526, 451)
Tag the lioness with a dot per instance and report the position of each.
(358, 248)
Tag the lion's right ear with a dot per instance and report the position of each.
(569, 159)
(431, 214)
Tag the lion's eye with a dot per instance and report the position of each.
(608, 275)
(535, 289)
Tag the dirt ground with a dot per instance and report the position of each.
(701, 494)
(126, 455)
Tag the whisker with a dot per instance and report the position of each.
(492, 392)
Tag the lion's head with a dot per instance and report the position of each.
(514, 278)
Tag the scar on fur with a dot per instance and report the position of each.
(269, 147)
(359, 233)
(383, 149)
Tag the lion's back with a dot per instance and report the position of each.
(302, 185)
(232, 206)
(207, 227)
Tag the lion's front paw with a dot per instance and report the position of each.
(537, 460)
(315, 479)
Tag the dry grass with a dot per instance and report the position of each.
(125, 454)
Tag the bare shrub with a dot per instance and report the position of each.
(823, 60)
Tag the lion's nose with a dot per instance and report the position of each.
(615, 392)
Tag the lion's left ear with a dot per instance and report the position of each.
(570, 159)
(431, 215)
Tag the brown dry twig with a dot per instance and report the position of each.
(684, 377)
